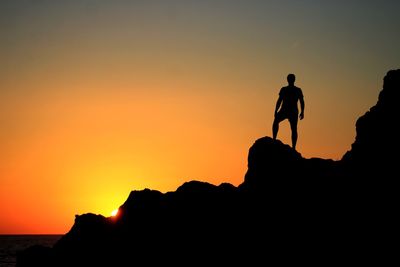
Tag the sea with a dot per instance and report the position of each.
(10, 244)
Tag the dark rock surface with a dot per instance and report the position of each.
(375, 149)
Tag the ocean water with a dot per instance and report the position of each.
(10, 244)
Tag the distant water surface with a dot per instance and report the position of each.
(10, 244)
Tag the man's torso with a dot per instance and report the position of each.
(290, 96)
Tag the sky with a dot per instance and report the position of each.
(98, 98)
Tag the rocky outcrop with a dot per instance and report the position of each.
(272, 164)
(375, 149)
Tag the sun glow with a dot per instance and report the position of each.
(114, 213)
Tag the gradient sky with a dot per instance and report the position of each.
(98, 98)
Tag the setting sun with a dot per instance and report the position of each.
(114, 212)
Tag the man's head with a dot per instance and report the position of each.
(291, 78)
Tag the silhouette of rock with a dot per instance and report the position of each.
(275, 168)
(286, 207)
(151, 225)
(268, 160)
(375, 146)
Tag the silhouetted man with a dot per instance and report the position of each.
(287, 102)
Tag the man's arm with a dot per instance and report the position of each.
(302, 108)
(278, 104)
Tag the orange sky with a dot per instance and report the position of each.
(99, 98)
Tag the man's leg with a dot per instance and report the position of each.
(293, 125)
(275, 126)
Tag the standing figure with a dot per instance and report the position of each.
(286, 108)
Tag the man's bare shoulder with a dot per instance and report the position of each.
(284, 88)
(299, 92)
